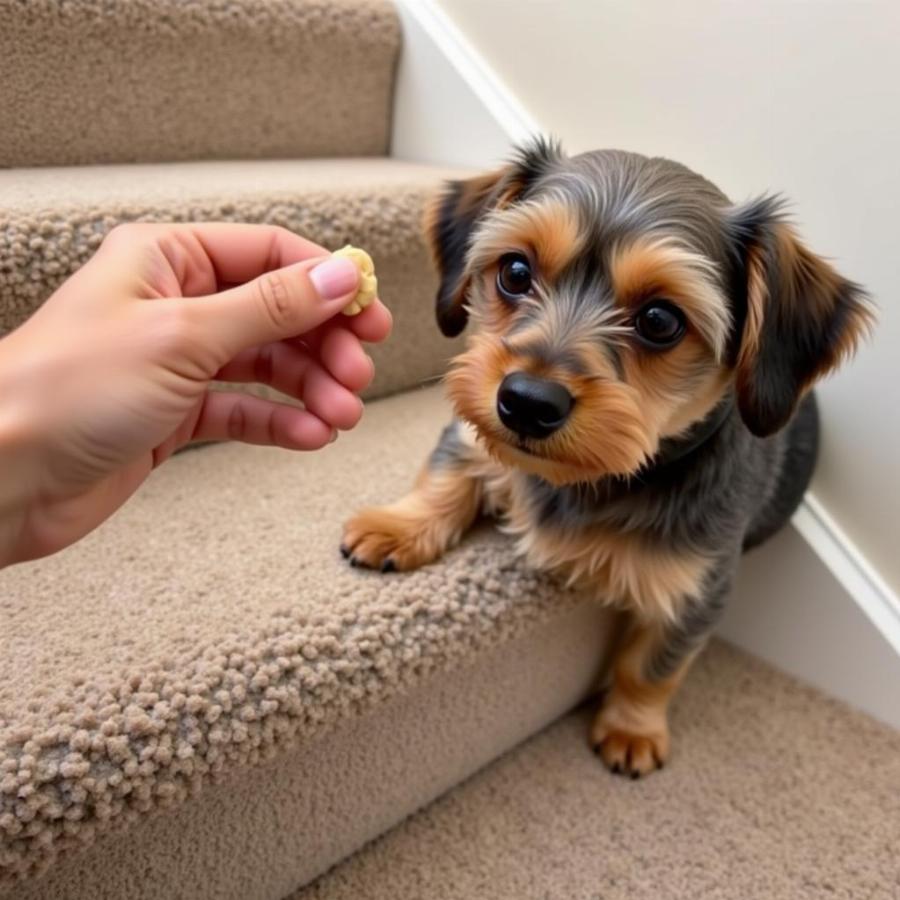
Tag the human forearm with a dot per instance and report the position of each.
(17, 459)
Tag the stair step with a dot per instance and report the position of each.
(211, 625)
(53, 219)
(774, 791)
(93, 82)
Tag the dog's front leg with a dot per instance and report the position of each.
(631, 730)
(421, 526)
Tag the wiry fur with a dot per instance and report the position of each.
(670, 462)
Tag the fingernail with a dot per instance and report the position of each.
(334, 437)
(334, 278)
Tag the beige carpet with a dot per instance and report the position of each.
(259, 832)
(212, 622)
(201, 701)
(774, 792)
(93, 81)
(52, 220)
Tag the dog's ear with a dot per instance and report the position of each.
(449, 222)
(452, 217)
(796, 317)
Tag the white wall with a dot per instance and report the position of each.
(438, 117)
(801, 97)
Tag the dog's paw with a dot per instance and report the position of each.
(631, 751)
(386, 539)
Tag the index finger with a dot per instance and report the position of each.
(372, 325)
(240, 253)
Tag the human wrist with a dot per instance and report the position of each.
(18, 449)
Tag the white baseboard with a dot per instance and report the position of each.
(808, 601)
(851, 569)
(803, 603)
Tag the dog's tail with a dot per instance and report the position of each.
(796, 472)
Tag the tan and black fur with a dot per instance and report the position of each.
(666, 462)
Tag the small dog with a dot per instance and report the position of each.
(634, 400)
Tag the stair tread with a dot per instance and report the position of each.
(774, 790)
(93, 81)
(52, 221)
(51, 189)
(218, 592)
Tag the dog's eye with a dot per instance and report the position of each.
(660, 323)
(514, 276)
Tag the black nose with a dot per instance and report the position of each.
(532, 407)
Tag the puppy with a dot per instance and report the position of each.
(633, 401)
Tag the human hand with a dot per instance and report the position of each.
(112, 374)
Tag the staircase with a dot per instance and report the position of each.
(201, 699)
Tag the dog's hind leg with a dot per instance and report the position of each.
(417, 529)
(631, 731)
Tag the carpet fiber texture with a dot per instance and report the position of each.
(259, 832)
(94, 81)
(774, 792)
(212, 620)
(52, 220)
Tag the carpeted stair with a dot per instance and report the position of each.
(212, 625)
(201, 699)
(84, 82)
(207, 655)
(776, 792)
(53, 219)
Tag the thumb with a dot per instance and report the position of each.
(279, 304)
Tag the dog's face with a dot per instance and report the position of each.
(616, 299)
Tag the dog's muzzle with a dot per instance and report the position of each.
(532, 407)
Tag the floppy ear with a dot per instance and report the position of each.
(796, 318)
(451, 219)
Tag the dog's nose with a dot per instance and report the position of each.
(532, 407)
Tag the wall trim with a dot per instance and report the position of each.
(502, 105)
(849, 567)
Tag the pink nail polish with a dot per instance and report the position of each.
(334, 278)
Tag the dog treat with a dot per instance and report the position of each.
(368, 283)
